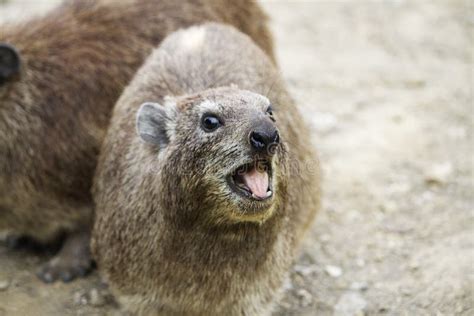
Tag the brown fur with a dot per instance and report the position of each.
(169, 237)
(75, 62)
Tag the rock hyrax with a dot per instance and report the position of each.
(206, 181)
(60, 76)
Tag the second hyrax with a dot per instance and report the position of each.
(60, 76)
(206, 181)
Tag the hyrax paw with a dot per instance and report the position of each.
(65, 269)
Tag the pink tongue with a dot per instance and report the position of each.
(257, 182)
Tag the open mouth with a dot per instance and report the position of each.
(253, 180)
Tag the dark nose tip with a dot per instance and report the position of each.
(262, 140)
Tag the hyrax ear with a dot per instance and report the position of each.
(9, 62)
(154, 122)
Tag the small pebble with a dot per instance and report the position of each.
(438, 174)
(460, 309)
(405, 292)
(304, 270)
(414, 266)
(287, 285)
(383, 309)
(333, 271)
(4, 284)
(96, 298)
(80, 298)
(325, 238)
(350, 304)
(389, 206)
(359, 286)
(305, 297)
(3, 236)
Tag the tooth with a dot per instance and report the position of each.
(269, 193)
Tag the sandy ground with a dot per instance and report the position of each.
(388, 89)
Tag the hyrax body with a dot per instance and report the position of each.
(60, 76)
(206, 181)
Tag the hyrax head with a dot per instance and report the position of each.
(221, 153)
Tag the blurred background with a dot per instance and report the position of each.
(387, 87)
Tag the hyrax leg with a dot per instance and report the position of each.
(73, 260)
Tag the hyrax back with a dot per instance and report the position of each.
(60, 76)
(206, 181)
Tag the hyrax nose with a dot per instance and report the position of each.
(264, 139)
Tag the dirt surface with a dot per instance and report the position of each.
(388, 89)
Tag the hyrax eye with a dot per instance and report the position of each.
(270, 112)
(210, 122)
